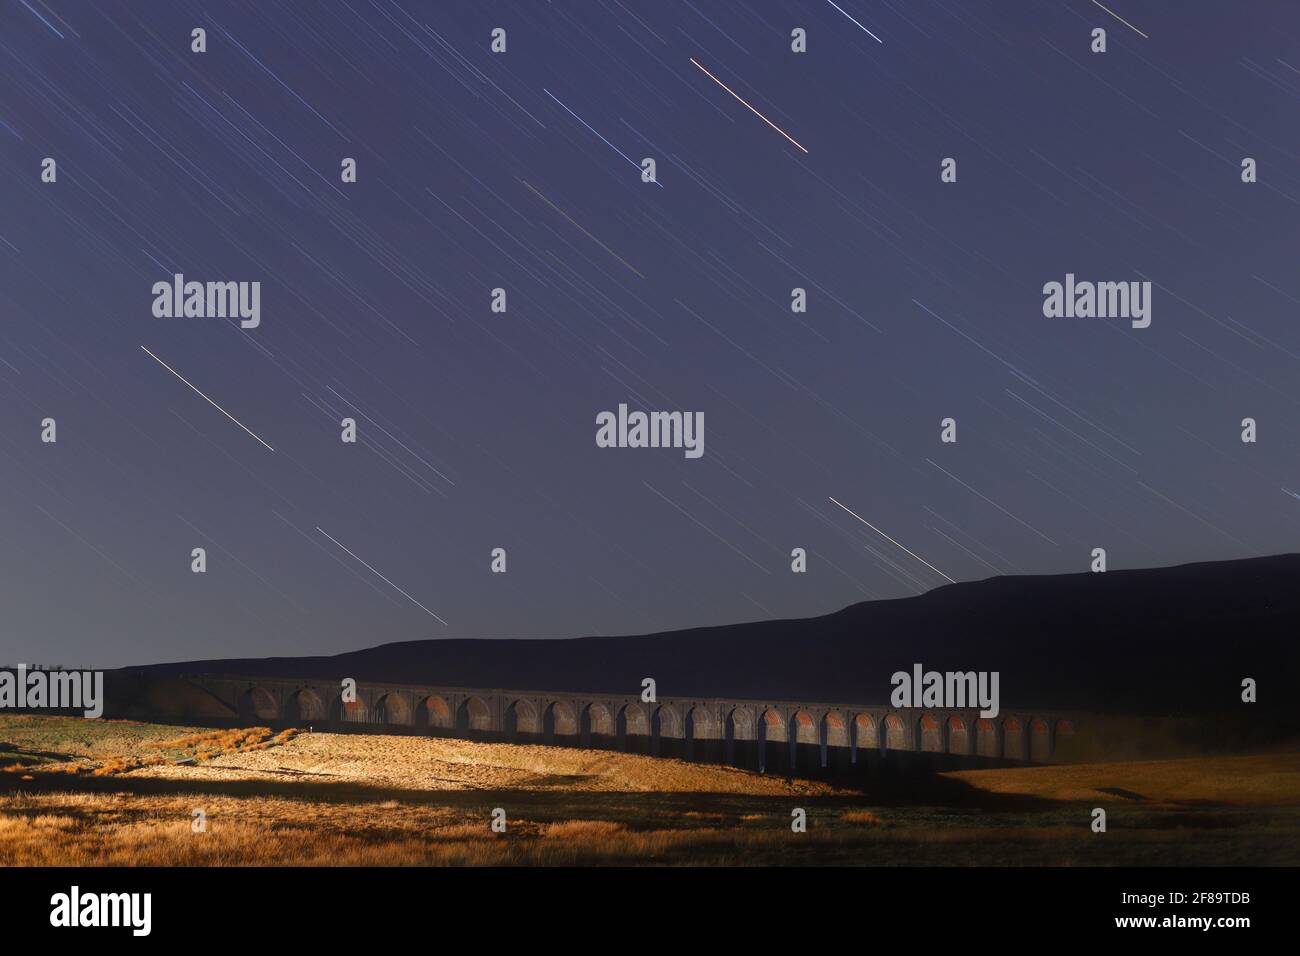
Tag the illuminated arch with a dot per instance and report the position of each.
(473, 714)
(835, 731)
(257, 703)
(521, 718)
(896, 733)
(598, 720)
(392, 709)
(959, 738)
(864, 731)
(1014, 740)
(306, 705)
(560, 720)
(435, 712)
(931, 734)
(803, 729)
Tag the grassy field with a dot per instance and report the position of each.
(77, 792)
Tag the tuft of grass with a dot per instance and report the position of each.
(583, 830)
(118, 765)
(861, 816)
(218, 743)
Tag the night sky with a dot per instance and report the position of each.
(521, 170)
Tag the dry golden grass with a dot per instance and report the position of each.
(105, 829)
(221, 742)
(860, 816)
(442, 763)
(583, 830)
(351, 799)
(81, 756)
(51, 830)
(120, 765)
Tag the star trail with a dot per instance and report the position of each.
(476, 225)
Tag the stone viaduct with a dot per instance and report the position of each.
(768, 735)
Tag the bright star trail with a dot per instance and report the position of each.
(859, 25)
(597, 135)
(894, 543)
(747, 106)
(1123, 21)
(379, 575)
(205, 397)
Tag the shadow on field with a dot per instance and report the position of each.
(917, 791)
(15, 752)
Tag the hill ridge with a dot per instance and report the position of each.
(1171, 639)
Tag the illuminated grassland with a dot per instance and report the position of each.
(76, 792)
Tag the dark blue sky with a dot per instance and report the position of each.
(478, 170)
